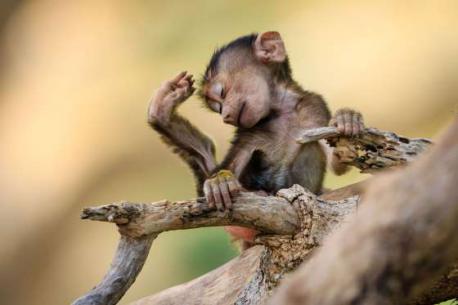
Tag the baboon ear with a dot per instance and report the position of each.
(269, 48)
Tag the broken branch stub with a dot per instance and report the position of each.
(400, 243)
(373, 150)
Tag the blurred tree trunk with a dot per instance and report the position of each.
(7, 9)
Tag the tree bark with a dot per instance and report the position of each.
(373, 150)
(139, 219)
(294, 224)
(399, 243)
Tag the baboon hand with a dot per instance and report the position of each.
(170, 94)
(221, 189)
(349, 122)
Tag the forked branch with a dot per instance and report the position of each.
(140, 223)
(296, 220)
(401, 241)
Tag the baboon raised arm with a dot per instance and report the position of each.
(195, 148)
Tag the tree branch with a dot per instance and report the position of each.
(224, 285)
(295, 221)
(250, 210)
(400, 241)
(140, 223)
(373, 150)
(248, 278)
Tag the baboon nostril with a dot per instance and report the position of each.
(227, 117)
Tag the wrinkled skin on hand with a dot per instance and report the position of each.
(349, 123)
(221, 189)
(170, 94)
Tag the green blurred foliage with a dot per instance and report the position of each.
(451, 302)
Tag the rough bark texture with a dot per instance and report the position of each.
(307, 219)
(401, 240)
(373, 150)
(295, 223)
(229, 284)
(249, 278)
(250, 210)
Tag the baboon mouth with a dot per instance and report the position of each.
(240, 113)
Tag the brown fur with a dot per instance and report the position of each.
(249, 82)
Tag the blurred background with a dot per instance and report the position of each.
(75, 80)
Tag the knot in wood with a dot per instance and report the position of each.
(304, 203)
(288, 252)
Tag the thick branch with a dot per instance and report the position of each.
(139, 224)
(401, 240)
(294, 211)
(224, 285)
(373, 150)
(245, 280)
(137, 220)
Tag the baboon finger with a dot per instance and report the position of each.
(177, 78)
(355, 124)
(217, 196)
(340, 123)
(209, 195)
(224, 188)
(348, 123)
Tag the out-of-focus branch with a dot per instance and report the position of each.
(401, 241)
(225, 285)
(373, 150)
(446, 288)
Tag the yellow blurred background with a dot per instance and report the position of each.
(75, 81)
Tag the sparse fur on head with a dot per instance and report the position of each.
(240, 79)
(282, 71)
